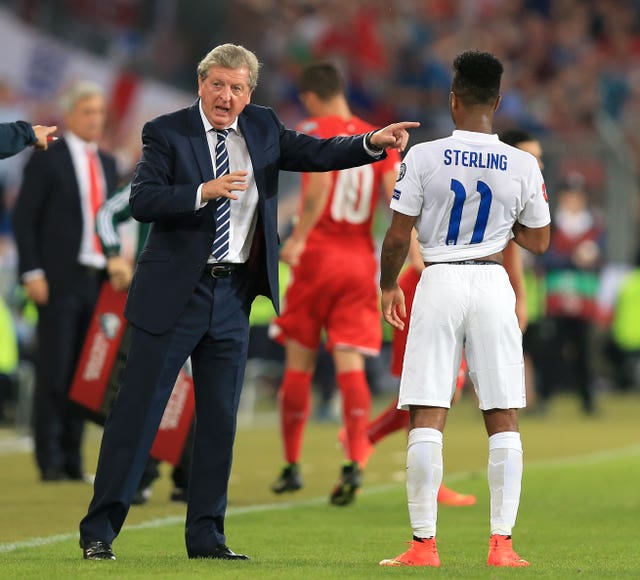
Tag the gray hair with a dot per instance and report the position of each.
(78, 91)
(231, 56)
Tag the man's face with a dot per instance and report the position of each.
(224, 94)
(87, 117)
(534, 148)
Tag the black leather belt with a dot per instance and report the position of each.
(222, 270)
(91, 271)
(467, 263)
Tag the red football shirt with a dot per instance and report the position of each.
(354, 192)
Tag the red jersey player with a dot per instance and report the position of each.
(333, 287)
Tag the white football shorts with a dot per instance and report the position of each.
(463, 306)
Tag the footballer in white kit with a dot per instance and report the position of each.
(467, 191)
(467, 196)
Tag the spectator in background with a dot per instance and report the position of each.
(623, 348)
(62, 267)
(572, 267)
(14, 137)
(331, 252)
(528, 294)
(8, 357)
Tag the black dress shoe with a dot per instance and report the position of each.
(179, 495)
(96, 550)
(53, 474)
(79, 475)
(221, 552)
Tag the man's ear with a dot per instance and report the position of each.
(498, 101)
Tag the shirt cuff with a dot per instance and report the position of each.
(199, 203)
(111, 252)
(370, 149)
(32, 275)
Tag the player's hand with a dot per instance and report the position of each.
(393, 136)
(120, 272)
(393, 307)
(292, 250)
(225, 186)
(42, 132)
(522, 314)
(37, 290)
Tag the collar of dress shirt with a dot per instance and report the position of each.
(74, 141)
(208, 126)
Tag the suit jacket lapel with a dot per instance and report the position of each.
(69, 170)
(198, 140)
(255, 146)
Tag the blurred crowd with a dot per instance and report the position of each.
(569, 64)
(567, 61)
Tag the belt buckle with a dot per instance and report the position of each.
(220, 271)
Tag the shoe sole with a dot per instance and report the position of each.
(344, 497)
(397, 563)
(511, 564)
(285, 489)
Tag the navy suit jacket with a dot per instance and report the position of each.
(47, 218)
(175, 161)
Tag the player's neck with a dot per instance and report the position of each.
(336, 107)
(476, 121)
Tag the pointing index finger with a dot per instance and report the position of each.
(408, 124)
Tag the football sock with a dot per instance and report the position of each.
(424, 476)
(462, 374)
(295, 401)
(356, 406)
(505, 479)
(389, 421)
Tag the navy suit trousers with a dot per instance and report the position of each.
(214, 331)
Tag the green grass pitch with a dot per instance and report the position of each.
(579, 514)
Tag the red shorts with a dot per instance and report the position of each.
(408, 281)
(333, 289)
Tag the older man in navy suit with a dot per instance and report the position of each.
(208, 183)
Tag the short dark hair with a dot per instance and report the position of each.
(514, 137)
(476, 78)
(323, 79)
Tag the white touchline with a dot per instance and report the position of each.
(588, 459)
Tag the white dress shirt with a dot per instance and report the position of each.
(243, 210)
(88, 255)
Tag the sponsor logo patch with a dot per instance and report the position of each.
(110, 324)
(396, 194)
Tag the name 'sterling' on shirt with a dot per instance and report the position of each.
(466, 192)
(479, 159)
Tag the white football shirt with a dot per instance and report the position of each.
(467, 191)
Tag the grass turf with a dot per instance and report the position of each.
(578, 515)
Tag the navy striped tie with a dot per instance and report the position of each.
(220, 247)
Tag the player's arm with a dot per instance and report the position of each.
(314, 200)
(113, 212)
(513, 266)
(415, 254)
(535, 240)
(394, 252)
(416, 261)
